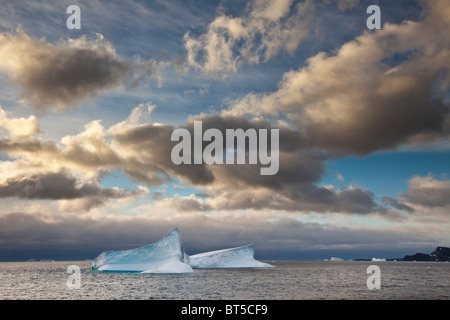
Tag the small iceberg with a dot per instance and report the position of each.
(336, 259)
(165, 256)
(376, 259)
(240, 257)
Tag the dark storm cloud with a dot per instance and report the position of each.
(65, 74)
(231, 187)
(46, 186)
(75, 237)
(306, 197)
(147, 149)
(149, 146)
(293, 188)
(61, 186)
(68, 77)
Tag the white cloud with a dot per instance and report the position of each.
(355, 101)
(266, 28)
(428, 191)
(19, 127)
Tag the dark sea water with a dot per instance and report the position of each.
(289, 280)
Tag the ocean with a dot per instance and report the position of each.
(289, 280)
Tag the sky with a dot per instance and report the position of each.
(87, 115)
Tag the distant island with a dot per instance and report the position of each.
(440, 254)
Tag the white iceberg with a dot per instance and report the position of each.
(168, 256)
(376, 259)
(240, 257)
(336, 259)
(165, 256)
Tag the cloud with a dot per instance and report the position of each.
(19, 127)
(382, 90)
(266, 28)
(74, 236)
(344, 5)
(59, 76)
(142, 150)
(76, 195)
(427, 191)
(145, 156)
(293, 188)
(183, 204)
(100, 198)
(300, 197)
(46, 186)
(231, 187)
(68, 172)
(87, 153)
(388, 201)
(426, 197)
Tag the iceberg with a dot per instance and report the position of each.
(376, 259)
(239, 257)
(168, 256)
(165, 256)
(336, 259)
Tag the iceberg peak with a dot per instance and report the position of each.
(164, 256)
